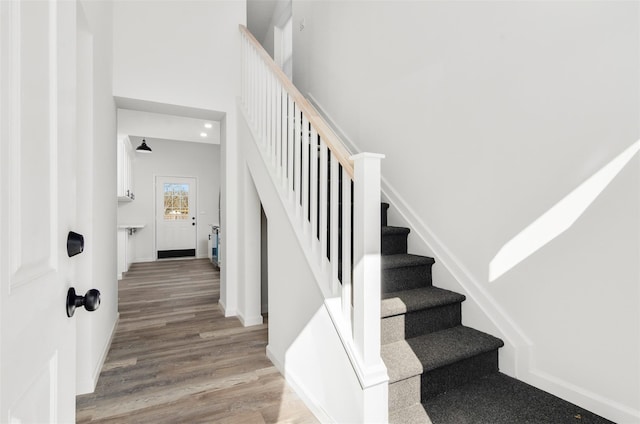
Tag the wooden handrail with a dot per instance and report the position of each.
(332, 141)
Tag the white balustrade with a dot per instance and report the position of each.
(333, 197)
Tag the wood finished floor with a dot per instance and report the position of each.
(176, 359)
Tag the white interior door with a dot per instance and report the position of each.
(176, 219)
(37, 210)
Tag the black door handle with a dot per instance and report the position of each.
(90, 301)
(193, 223)
(75, 244)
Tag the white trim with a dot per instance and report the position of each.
(105, 351)
(226, 312)
(89, 384)
(313, 405)
(142, 260)
(250, 321)
(577, 395)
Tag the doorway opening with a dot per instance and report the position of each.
(185, 142)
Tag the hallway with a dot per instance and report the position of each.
(175, 358)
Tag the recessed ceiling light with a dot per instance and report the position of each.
(203, 134)
(208, 125)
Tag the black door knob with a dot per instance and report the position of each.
(90, 301)
(193, 223)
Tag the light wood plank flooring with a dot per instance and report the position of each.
(176, 359)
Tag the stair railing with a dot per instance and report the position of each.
(332, 196)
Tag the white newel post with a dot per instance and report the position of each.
(366, 257)
(366, 285)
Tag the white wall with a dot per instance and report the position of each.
(176, 159)
(489, 113)
(187, 53)
(178, 52)
(97, 189)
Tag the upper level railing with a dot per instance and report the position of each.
(332, 197)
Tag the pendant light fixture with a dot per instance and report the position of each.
(143, 148)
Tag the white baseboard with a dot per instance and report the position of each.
(311, 403)
(249, 321)
(88, 385)
(105, 351)
(597, 404)
(225, 311)
(141, 260)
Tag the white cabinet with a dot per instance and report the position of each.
(125, 250)
(125, 170)
(126, 233)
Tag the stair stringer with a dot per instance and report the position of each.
(308, 340)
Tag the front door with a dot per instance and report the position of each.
(37, 210)
(176, 219)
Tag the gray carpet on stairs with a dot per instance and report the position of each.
(499, 399)
(405, 272)
(441, 372)
(412, 313)
(413, 300)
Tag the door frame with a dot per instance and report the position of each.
(155, 211)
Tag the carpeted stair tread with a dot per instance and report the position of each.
(388, 230)
(403, 260)
(499, 399)
(401, 302)
(407, 358)
(394, 240)
(414, 414)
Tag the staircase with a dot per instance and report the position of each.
(440, 371)
(426, 349)
(419, 365)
